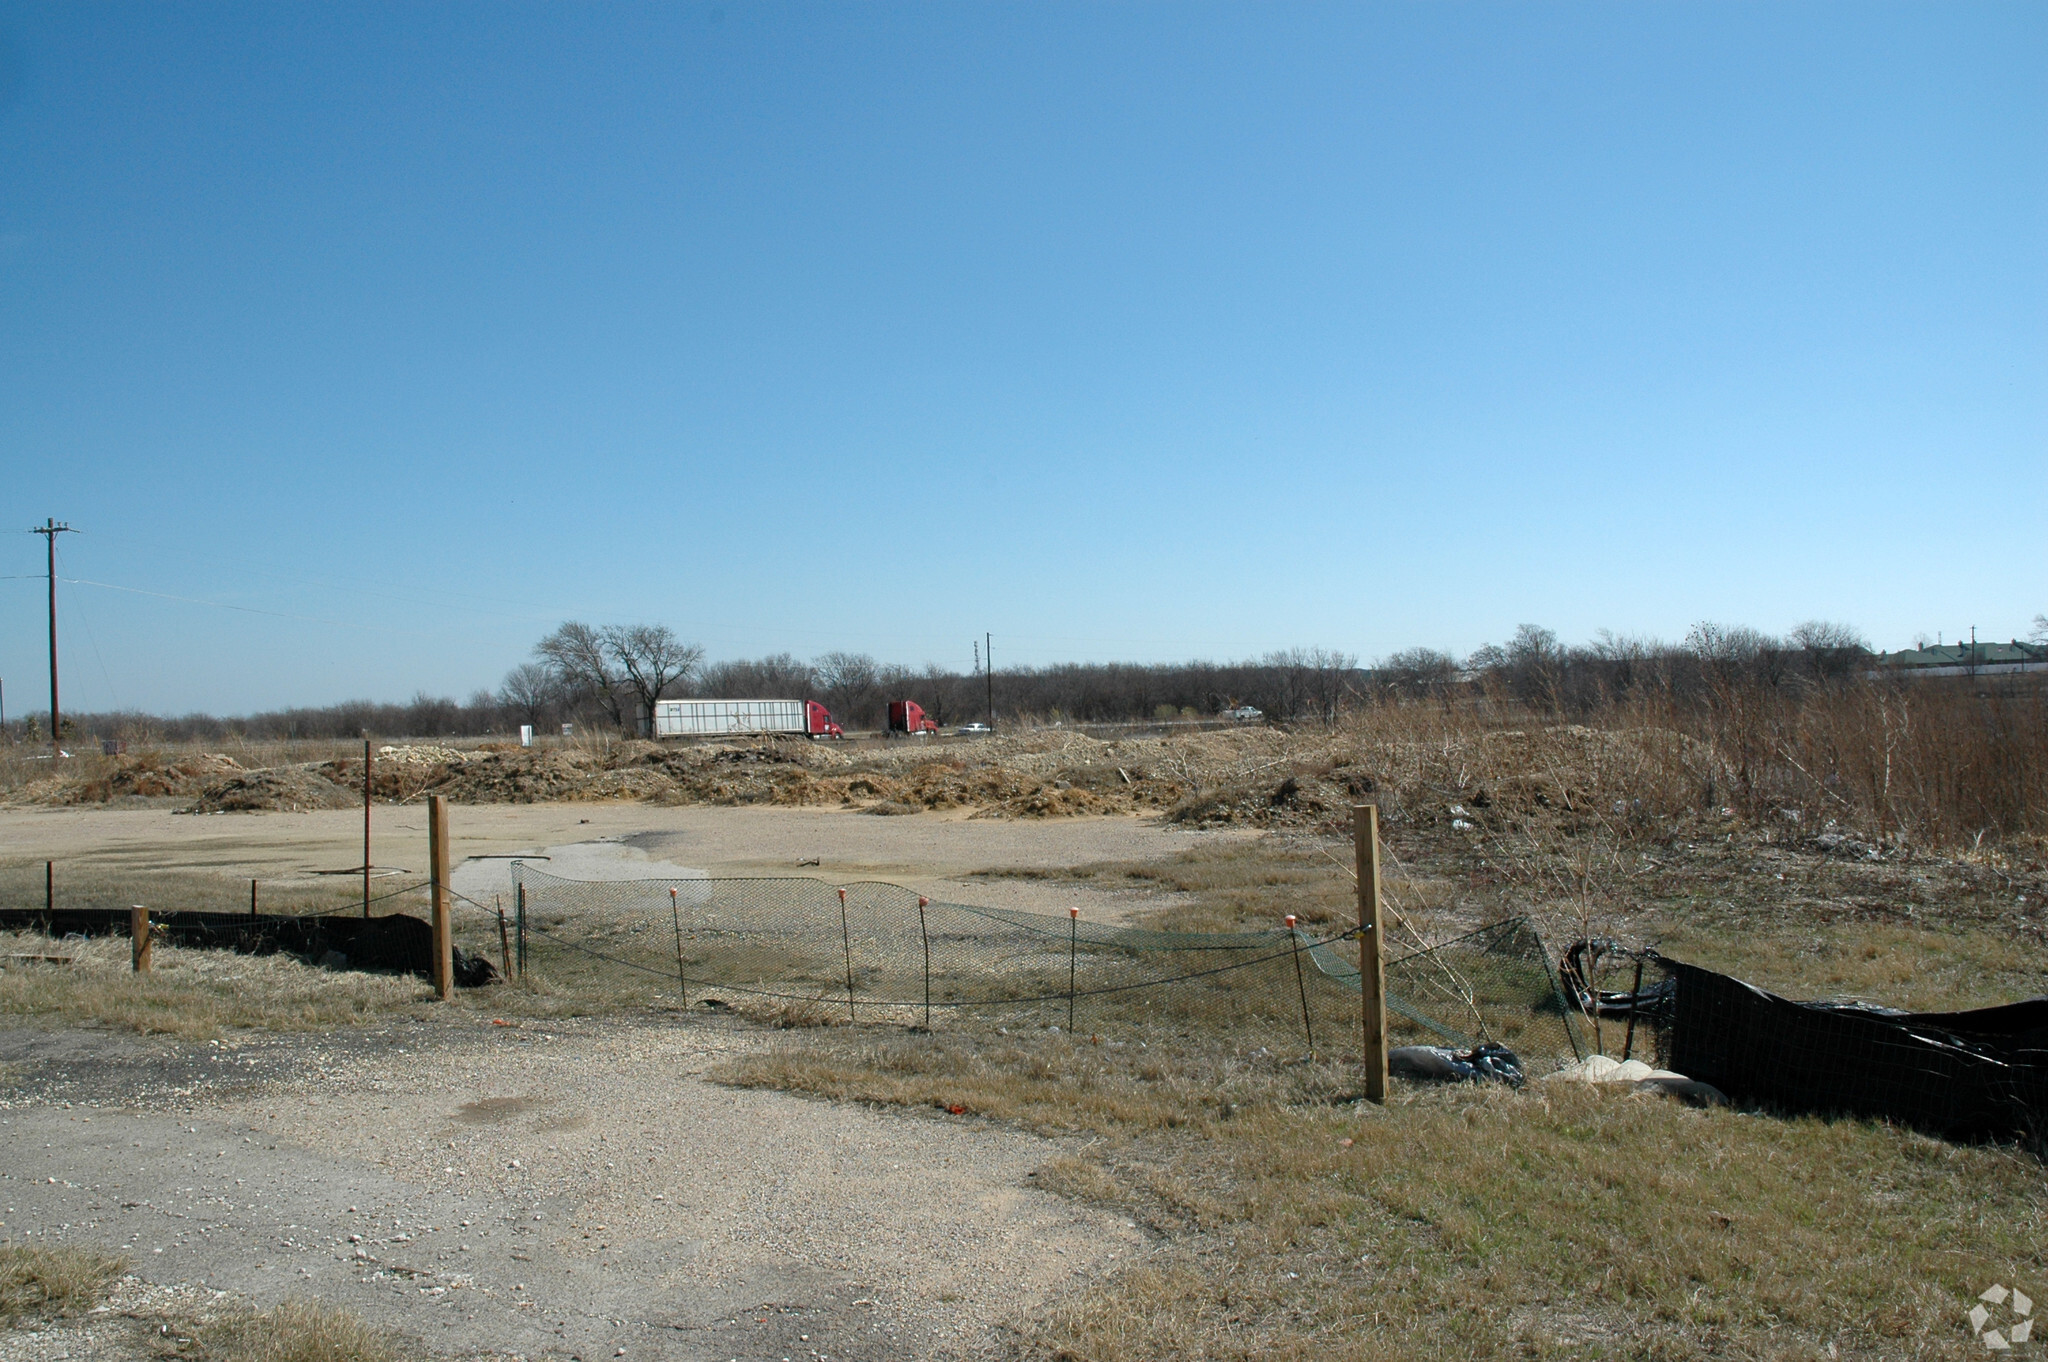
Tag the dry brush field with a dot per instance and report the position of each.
(1859, 848)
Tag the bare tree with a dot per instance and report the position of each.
(1418, 671)
(529, 691)
(1530, 667)
(780, 677)
(577, 655)
(1831, 650)
(652, 658)
(849, 682)
(1329, 670)
(2040, 634)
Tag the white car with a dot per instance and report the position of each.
(1244, 714)
(973, 731)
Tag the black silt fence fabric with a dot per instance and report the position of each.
(1961, 1075)
(394, 941)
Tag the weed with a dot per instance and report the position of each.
(293, 1331)
(44, 1283)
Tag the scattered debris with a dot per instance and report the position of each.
(1443, 1064)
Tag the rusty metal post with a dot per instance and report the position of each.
(504, 937)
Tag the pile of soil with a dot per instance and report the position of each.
(290, 789)
(150, 775)
(1561, 778)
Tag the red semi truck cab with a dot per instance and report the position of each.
(906, 716)
(818, 721)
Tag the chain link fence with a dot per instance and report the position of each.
(815, 952)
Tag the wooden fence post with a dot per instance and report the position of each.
(437, 856)
(1372, 980)
(138, 932)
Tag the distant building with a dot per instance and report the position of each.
(1964, 659)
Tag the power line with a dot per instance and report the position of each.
(244, 609)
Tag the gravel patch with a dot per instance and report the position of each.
(539, 1189)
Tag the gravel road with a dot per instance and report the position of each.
(554, 1189)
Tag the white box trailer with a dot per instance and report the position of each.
(712, 718)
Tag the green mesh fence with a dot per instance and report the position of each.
(876, 952)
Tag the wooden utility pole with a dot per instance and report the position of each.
(437, 856)
(49, 530)
(366, 824)
(1372, 979)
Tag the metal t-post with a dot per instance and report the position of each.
(927, 938)
(676, 916)
(1301, 985)
(519, 923)
(846, 936)
(1073, 954)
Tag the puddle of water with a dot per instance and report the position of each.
(600, 860)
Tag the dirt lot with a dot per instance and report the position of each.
(1275, 1209)
(937, 854)
(585, 1163)
(560, 1189)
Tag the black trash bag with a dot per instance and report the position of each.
(1442, 1064)
(1576, 968)
(473, 971)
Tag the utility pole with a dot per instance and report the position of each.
(49, 530)
(988, 669)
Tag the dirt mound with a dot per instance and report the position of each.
(150, 775)
(289, 789)
(424, 754)
(515, 777)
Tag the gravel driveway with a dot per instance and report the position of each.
(540, 1189)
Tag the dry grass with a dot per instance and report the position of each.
(46, 1283)
(195, 994)
(791, 1014)
(1560, 1222)
(293, 1331)
(1926, 763)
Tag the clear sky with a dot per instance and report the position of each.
(1124, 331)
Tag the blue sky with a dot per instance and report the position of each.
(1123, 331)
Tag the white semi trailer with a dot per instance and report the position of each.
(711, 718)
